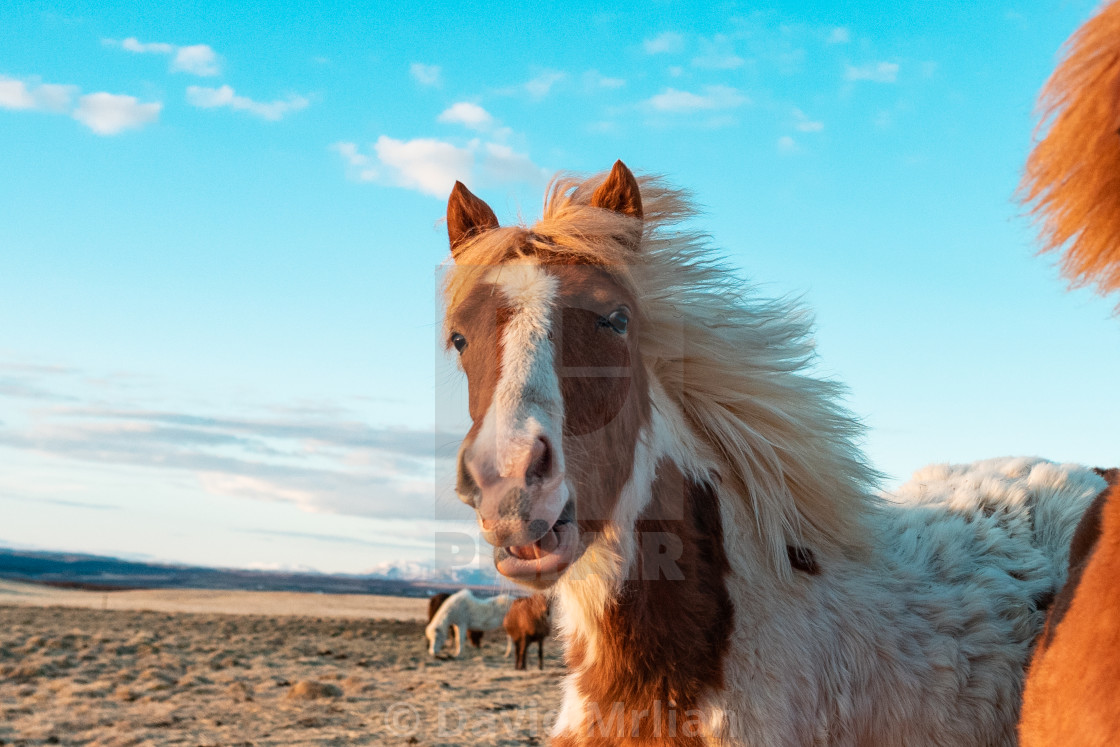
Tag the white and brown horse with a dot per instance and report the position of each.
(1072, 181)
(648, 441)
(462, 612)
(435, 602)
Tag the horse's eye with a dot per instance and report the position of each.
(617, 320)
(458, 341)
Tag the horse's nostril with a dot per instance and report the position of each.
(465, 485)
(540, 462)
(538, 526)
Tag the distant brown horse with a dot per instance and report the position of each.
(1073, 183)
(474, 636)
(529, 620)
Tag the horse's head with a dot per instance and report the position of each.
(546, 327)
(437, 636)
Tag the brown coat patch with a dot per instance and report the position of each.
(605, 390)
(1084, 541)
(662, 640)
(1070, 695)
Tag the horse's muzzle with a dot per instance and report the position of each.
(517, 505)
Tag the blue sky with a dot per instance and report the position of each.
(220, 239)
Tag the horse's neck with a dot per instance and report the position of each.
(658, 633)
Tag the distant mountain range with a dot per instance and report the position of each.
(410, 570)
(400, 578)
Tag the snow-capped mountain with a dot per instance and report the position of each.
(412, 570)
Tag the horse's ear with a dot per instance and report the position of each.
(467, 216)
(619, 192)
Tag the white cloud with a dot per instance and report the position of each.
(667, 42)
(196, 59)
(320, 462)
(211, 98)
(425, 75)
(104, 113)
(878, 72)
(787, 144)
(541, 86)
(132, 44)
(501, 164)
(360, 166)
(432, 166)
(425, 164)
(110, 114)
(839, 35)
(717, 53)
(804, 124)
(16, 94)
(467, 114)
(713, 97)
(593, 79)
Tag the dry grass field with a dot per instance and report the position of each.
(143, 672)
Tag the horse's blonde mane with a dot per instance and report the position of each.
(736, 365)
(1072, 179)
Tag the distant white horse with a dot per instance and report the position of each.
(466, 612)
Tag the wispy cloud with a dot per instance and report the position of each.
(428, 165)
(320, 456)
(786, 144)
(667, 42)
(35, 96)
(718, 53)
(39, 500)
(467, 114)
(195, 59)
(337, 466)
(501, 164)
(426, 75)
(804, 124)
(710, 98)
(839, 35)
(542, 84)
(132, 44)
(432, 166)
(198, 59)
(594, 80)
(104, 113)
(225, 96)
(111, 114)
(877, 72)
(359, 165)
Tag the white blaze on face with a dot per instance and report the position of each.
(527, 402)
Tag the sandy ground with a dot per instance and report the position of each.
(177, 668)
(220, 602)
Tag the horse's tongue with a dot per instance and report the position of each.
(547, 543)
(538, 549)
